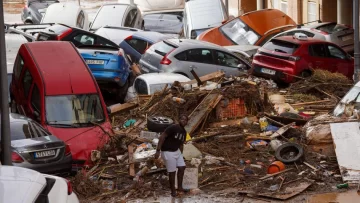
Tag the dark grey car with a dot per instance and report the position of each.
(34, 10)
(165, 23)
(35, 148)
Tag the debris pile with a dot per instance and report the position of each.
(243, 133)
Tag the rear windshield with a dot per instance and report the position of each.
(25, 130)
(162, 48)
(56, 29)
(281, 46)
(110, 15)
(332, 28)
(240, 33)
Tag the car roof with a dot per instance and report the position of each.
(21, 184)
(60, 64)
(160, 78)
(151, 36)
(292, 39)
(13, 43)
(195, 43)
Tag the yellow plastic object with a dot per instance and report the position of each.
(188, 137)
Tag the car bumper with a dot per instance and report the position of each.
(147, 68)
(111, 77)
(62, 166)
(278, 76)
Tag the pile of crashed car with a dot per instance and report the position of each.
(94, 97)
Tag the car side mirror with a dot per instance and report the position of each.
(108, 109)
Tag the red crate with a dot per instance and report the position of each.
(230, 109)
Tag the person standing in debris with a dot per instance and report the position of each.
(171, 143)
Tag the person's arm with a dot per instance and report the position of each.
(182, 148)
(161, 142)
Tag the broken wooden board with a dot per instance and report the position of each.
(207, 77)
(347, 148)
(131, 155)
(116, 108)
(200, 112)
(285, 193)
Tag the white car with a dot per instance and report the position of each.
(148, 84)
(156, 5)
(68, 13)
(22, 185)
(117, 15)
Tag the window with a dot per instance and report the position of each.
(317, 50)
(181, 56)
(131, 18)
(83, 39)
(162, 48)
(239, 32)
(275, 4)
(311, 15)
(335, 52)
(138, 44)
(281, 46)
(332, 28)
(284, 7)
(70, 110)
(26, 130)
(104, 42)
(80, 20)
(27, 81)
(35, 99)
(200, 56)
(225, 59)
(140, 86)
(114, 12)
(19, 65)
(267, 38)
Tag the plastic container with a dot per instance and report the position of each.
(178, 100)
(275, 167)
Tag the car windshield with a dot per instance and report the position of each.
(332, 28)
(281, 46)
(110, 15)
(162, 48)
(74, 109)
(239, 32)
(349, 104)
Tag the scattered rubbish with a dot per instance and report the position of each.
(274, 188)
(190, 151)
(276, 167)
(129, 123)
(263, 123)
(141, 173)
(178, 100)
(256, 143)
(275, 144)
(196, 162)
(342, 186)
(209, 160)
(149, 135)
(95, 155)
(256, 166)
(108, 185)
(248, 171)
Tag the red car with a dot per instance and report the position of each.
(284, 57)
(52, 84)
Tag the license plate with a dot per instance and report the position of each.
(348, 37)
(44, 154)
(97, 62)
(268, 71)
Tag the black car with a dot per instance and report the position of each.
(78, 37)
(35, 148)
(34, 10)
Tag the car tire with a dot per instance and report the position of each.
(305, 74)
(121, 92)
(282, 153)
(158, 123)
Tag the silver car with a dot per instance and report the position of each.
(35, 10)
(338, 34)
(183, 55)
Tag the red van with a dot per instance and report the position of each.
(52, 84)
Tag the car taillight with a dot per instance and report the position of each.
(62, 35)
(70, 190)
(16, 158)
(165, 60)
(128, 38)
(67, 150)
(294, 58)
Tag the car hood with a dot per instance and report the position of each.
(83, 140)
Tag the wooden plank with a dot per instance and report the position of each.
(347, 148)
(314, 102)
(116, 108)
(200, 112)
(274, 174)
(207, 77)
(132, 165)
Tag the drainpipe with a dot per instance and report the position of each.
(356, 40)
(227, 7)
(4, 107)
(259, 4)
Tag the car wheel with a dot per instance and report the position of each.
(121, 92)
(289, 153)
(305, 74)
(158, 123)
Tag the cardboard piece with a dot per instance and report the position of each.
(191, 178)
(190, 151)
